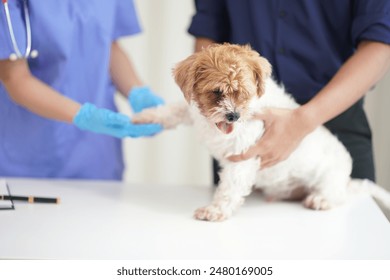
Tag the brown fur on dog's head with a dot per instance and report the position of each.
(222, 79)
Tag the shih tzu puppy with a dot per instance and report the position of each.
(224, 87)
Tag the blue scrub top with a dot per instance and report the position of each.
(73, 39)
(306, 41)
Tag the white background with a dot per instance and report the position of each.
(176, 157)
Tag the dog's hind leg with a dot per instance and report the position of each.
(236, 182)
(329, 192)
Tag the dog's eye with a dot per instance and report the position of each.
(217, 92)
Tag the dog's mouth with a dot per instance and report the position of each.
(225, 127)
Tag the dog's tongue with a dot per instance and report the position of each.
(225, 127)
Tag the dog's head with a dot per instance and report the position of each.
(223, 80)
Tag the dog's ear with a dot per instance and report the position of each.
(184, 75)
(261, 68)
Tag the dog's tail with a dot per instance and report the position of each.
(369, 187)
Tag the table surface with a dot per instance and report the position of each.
(113, 220)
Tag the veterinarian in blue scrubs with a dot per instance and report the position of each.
(57, 112)
(327, 54)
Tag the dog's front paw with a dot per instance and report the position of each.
(211, 213)
(316, 202)
(149, 115)
(169, 116)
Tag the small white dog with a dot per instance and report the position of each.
(225, 86)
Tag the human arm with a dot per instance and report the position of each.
(122, 71)
(356, 76)
(33, 94)
(41, 99)
(128, 83)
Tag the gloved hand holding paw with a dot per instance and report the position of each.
(107, 122)
(142, 97)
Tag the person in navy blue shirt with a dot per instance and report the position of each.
(327, 54)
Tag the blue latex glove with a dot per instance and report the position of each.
(142, 97)
(104, 121)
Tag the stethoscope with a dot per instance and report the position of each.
(17, 54)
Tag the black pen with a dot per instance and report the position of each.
(30, 199)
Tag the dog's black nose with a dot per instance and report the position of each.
(233, 116)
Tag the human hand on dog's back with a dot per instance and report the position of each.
(284, 129)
